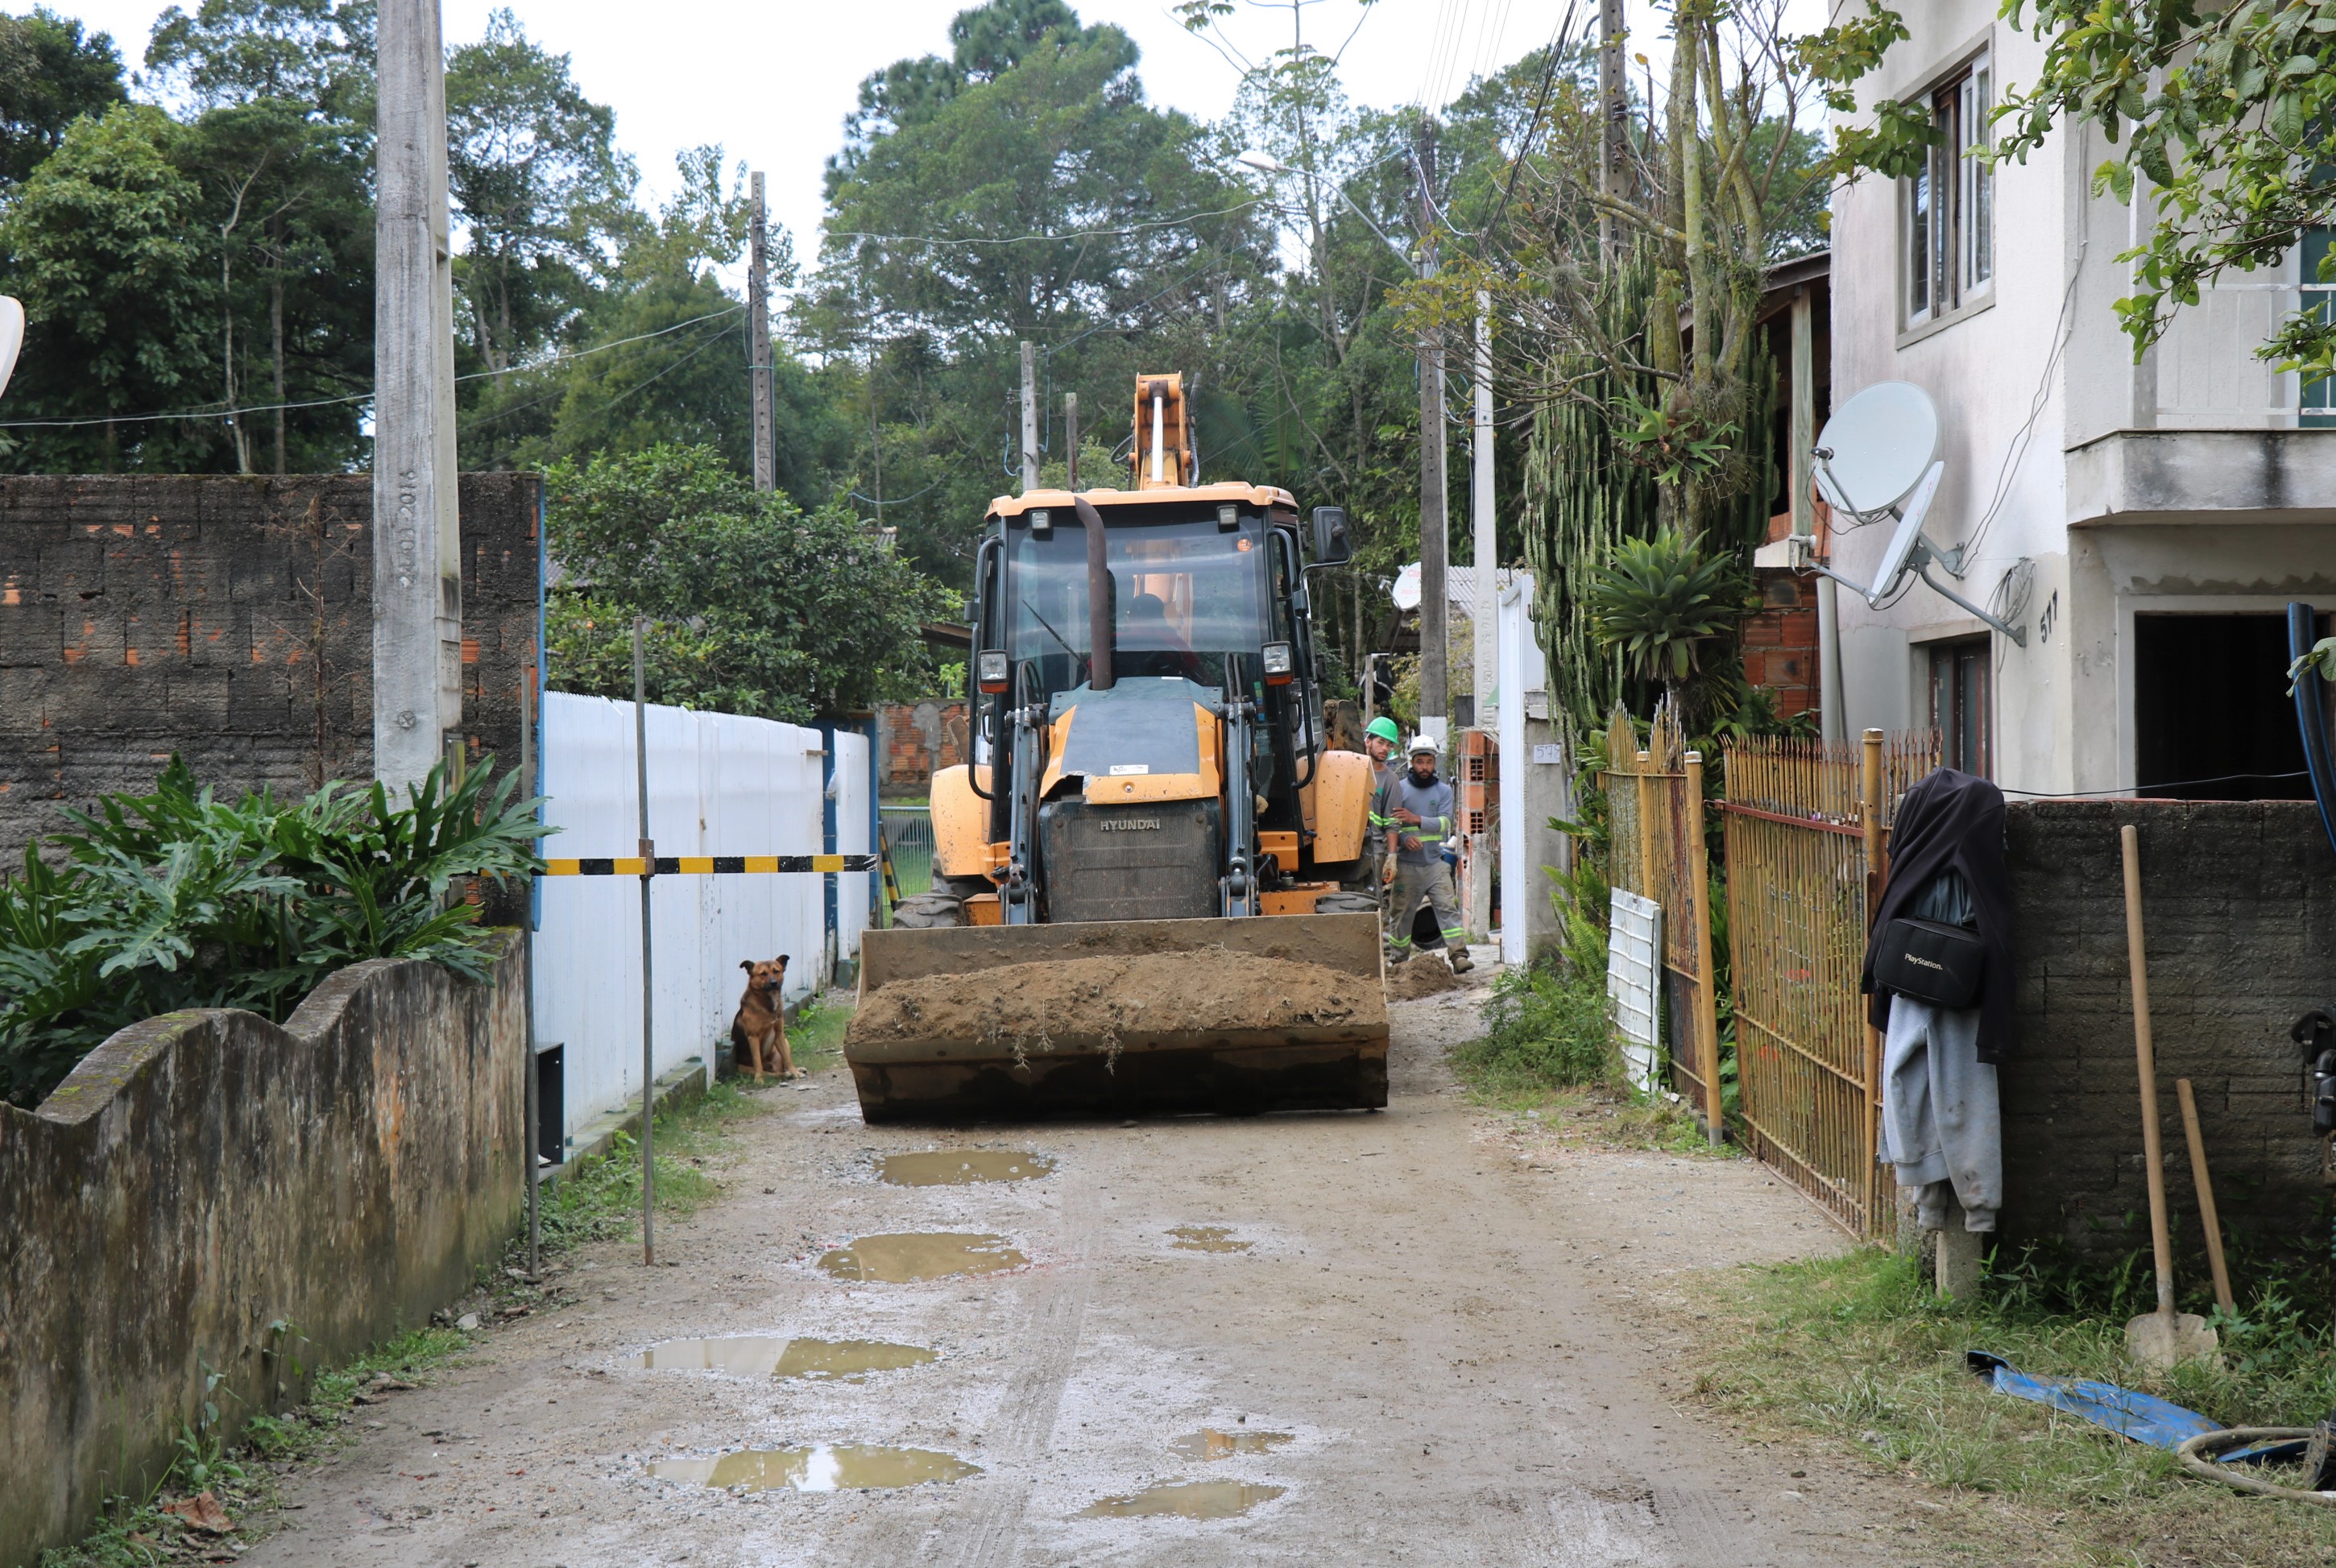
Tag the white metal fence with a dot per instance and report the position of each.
(719, 785)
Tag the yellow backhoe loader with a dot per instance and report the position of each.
(1147, 879)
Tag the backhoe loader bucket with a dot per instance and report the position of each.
(1120, 1018)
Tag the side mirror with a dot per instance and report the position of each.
(1331, 545)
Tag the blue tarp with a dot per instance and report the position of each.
(2143, 1417)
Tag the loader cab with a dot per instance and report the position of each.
(1207, 589)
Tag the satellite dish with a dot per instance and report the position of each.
(1900, 556)
(11, 337)
(1878, 446)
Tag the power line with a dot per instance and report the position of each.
(543, 364)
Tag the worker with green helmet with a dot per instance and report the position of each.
(1380, 739)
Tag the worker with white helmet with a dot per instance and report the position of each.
(1421, 813)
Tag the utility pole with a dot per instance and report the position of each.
(1482, 518)
(1834, 724)
(1614, 112)
(417, 545)
(1029, 417)
(758, 347)
(1435, 706)
(1070, 441)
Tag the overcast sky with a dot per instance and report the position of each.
(772, 83)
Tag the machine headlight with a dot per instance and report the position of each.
(1041, 520)
(990, 670)
(1280, 665)
(1228, 517)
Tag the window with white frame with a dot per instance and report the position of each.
(1950, 205)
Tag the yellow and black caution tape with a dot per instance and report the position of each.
(706, 865)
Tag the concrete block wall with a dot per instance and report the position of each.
(2240, 904)
(918, 739)
(209, 1192)
(227, 619)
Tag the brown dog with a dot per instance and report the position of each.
(758, 1035)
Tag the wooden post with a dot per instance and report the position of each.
(2205, 1186)
(1646, 888)
(1876, 867)
(1706, 1000)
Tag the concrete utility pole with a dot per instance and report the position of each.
(1614, 105)
(1070, 441)
(1029, 417)
(758, 349)
(417, 543)
(1486, 524)
(1435, 705)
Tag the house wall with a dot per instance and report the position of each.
(918, 739)
(2173, 483)
(227, 619)
(211, 1193)
(2239, 906)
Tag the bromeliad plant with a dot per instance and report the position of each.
(178, 900)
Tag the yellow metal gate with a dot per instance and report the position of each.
(1806, 827)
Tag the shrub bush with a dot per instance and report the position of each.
(176, 900)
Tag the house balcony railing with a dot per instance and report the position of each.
(2208, 377)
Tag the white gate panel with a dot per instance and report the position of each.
(1634, 982)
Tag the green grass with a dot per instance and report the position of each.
(245, 1481)
(1859, 1351)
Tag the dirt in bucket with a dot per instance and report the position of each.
(1032, 1007)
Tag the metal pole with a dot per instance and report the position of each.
(1435, 704)
(649, 992)
(417, 548)
(759, 345)
(527, 1089)
(1029, 417)
(1071, 440)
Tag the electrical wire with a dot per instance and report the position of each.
(360, 396)
(2137, 789)
(2021, 438)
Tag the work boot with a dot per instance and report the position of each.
(1396, 956)
(1461, 963)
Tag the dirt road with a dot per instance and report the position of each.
(1369, 1339)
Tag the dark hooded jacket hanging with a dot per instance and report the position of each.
(1952, 819)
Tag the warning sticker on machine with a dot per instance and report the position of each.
(1118, 768)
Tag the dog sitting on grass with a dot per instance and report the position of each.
(758, 1035)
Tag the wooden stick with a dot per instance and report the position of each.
(2205, 1186)
(1881, 1184)
(2153, 1152)
(1707, 1015)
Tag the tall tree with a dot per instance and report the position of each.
(542, 193)
(316, 53)
(51, 75)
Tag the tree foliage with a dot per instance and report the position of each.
(51, 75)
(756, 607)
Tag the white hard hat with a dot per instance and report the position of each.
(1424, 743)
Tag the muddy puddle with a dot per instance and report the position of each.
(1208, 1238)
(1207, 1443)
(963, 1167)
(1185, 1500)
(768, 1356)
(822, 1467)
(904, 1258)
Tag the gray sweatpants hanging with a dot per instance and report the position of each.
(1941, 1122)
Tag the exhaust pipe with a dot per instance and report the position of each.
(1102, 635)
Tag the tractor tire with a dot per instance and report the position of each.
(929, 912)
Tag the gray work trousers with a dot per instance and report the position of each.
(1413, 884)
(1941, 1122)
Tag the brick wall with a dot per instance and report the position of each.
(917, 739)
(1780, 640)
(2239, 902)
(227, 619)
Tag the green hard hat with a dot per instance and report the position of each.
(1384, 727)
